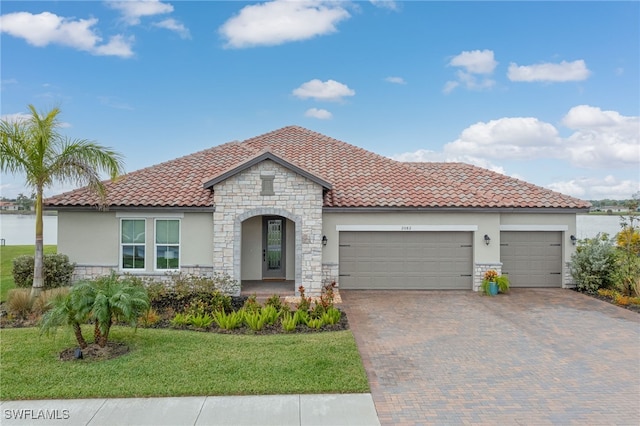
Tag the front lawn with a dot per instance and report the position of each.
(7, 254)
(181, 363)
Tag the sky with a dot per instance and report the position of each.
(547, 92)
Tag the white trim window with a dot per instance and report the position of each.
(132, 244)
(167, 244)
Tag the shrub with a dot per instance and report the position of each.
(315, 323)
(56, 268)
(626, 274)
(270, 314)
(179, 320)
(251, 304)
(332, 316)
(149, 318)
(201, 320)
(301, 317)
(19, 302)
(592, 264)
(304, 304)
(230, 320)
(274, 301)
(289, 322)
(255, 320)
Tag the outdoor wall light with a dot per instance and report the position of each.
(487, 240)
(573, 239)
(324, 240)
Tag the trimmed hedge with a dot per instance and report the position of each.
(57, 271)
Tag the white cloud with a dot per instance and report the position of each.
(321, 114)
(475, 61)
(395, 80)
(114, 102)
(507, 138)
(47, 28)
(602, 139)
(477, 65)
(173, 25)
(329, 90)
(15, 118)
(132, 11)
(595, 188)
(280, 21)
(385, 4)
(564, 71)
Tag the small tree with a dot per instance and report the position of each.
(63, 312)
(35, 148)
(627, 262)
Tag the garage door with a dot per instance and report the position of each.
(532, 259)
(406, 260)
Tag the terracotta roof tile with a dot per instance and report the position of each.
(359, 178)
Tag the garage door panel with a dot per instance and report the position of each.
(405, 260)
(532, 259)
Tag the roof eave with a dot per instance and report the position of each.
(543, 210)
(262, 157)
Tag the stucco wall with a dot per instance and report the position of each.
(91, 239)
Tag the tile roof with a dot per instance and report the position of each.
(356, 178)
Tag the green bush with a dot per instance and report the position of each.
(56, 267)
(593, 264)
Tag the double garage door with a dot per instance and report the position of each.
(443, 260)
(406, 260)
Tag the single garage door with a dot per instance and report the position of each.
(532, 259)
(406, 260)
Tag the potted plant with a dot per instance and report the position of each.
(494, 283)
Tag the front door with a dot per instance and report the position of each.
(273, 247)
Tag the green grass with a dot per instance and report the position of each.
(7, 254)
(181, 363)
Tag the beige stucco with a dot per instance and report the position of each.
(91, 239)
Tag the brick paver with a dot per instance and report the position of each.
(532, 357)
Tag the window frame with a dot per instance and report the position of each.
(156, 244)
(122, 245)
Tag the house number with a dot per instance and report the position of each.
(405, 228)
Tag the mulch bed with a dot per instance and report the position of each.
(630, 307)
(95, 353)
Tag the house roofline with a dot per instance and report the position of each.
(189, 209)
(260, 158)
(453, 210)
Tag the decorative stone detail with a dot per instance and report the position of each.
(479, 271)
(296, 198)
(330, 274)
(89, 272)
(567, 278)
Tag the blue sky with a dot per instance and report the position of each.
(545, 92)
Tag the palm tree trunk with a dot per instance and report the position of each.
(97, 335)
(38, 270)
(79, 337)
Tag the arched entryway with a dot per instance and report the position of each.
(267, 260)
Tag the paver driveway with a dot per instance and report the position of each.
(534, 356)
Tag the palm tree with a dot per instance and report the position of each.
(63, 311)
(35, 148)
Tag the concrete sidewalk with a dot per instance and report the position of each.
(280, 410)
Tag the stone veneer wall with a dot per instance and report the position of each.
(295, 197)
(480, 269)
(330, 273)
(567, 278)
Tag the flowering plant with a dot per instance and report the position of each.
(491, 275)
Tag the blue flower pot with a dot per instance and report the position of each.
(493, 288)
